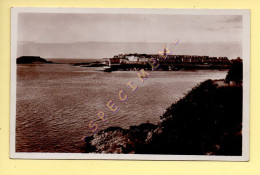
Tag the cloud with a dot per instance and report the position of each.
(233, 18)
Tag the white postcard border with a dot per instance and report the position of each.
(246, 83)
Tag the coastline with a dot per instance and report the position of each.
(162, 67)
(207, 121)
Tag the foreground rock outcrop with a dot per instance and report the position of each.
(118, 140)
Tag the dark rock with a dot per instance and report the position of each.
(31, 60)
(118, 140)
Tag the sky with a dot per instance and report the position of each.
(57, 35)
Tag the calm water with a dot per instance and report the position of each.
(55, 103)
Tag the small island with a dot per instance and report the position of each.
(32, 60)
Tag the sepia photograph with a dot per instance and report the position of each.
(137, 84)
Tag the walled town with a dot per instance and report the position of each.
(167, 62)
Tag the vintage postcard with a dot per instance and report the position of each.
(138, 84)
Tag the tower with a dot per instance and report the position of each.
(165, 52)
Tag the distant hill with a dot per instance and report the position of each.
(31, 60)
